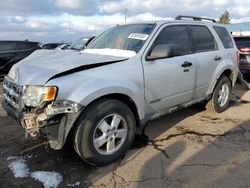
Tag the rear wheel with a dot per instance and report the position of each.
(104, 132)
(221, 96)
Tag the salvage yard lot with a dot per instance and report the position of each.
(190, 148)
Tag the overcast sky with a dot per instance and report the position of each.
(47, 20)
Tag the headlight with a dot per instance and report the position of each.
(34, 96)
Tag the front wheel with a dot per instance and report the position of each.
(105, 132)
(221, 96)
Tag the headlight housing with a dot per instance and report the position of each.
(34, 96)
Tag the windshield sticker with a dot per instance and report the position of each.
(138, 36)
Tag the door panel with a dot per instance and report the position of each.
(167, 82)
(207, 66)
(207, 54)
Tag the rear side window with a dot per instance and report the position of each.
(202, 39)
(176, 37)
(224, 37)
(6, 46)
(24, 45)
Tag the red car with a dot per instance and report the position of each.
(243, 44)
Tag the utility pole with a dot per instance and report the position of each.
(69, 25)
(125, 15)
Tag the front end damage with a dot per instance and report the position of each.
(52, 120)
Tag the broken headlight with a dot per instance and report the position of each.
(34, 96)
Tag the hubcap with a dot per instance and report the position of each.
(223, 95)
(110, 134)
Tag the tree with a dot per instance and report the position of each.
(225, 18)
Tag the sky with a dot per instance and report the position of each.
(67, 20)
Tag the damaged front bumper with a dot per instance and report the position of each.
(53, 121)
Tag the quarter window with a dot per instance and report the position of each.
(176, 37)
(202, 39)
(224, 37)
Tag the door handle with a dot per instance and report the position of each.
(217, 58)
(187, 64)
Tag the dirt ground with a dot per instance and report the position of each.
(190, 148)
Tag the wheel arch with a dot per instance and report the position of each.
(228, 72)
(125, 99)
(117, 96)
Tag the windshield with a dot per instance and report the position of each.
(79, 44)
(126, 37)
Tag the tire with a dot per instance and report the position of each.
(104, 132)
(217, 104)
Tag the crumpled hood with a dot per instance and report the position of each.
(42, 65)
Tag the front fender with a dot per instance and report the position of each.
(84, 91)
(88, 93)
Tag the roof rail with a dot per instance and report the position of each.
(179, 17)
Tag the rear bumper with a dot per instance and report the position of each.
(244, 67)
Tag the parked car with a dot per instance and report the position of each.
(14, 51)
(243, 44)
(127, 76)
(63, 47)
(81, 43)
(51, 46)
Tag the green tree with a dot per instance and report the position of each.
(225, 18)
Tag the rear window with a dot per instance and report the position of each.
(202, 39)
(242, 42)
(224, 37)
(6, 46)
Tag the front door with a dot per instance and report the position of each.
(170, 81)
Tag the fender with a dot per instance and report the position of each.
(218, 72)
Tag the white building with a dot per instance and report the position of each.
(239, 29)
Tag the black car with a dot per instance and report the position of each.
(51, 46)
(243, 44)
(13, 51)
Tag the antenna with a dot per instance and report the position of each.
(125, 15)
(69, 25)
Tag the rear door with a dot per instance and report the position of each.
(208, 57)
(167, 82)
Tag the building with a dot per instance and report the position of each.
(239, 29)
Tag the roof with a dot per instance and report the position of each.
(18, 41)
(237, 27)
(160, 22)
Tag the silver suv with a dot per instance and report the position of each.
(127, 76)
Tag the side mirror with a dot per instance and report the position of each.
(161, 51)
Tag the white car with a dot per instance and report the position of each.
(126, 77)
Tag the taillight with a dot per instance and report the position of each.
(238, 57)
(245, 49)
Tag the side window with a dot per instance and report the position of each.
(6, 46)
(52, 46)
(224, 36)
(202, 39)
(176, 37)
(21, 45)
